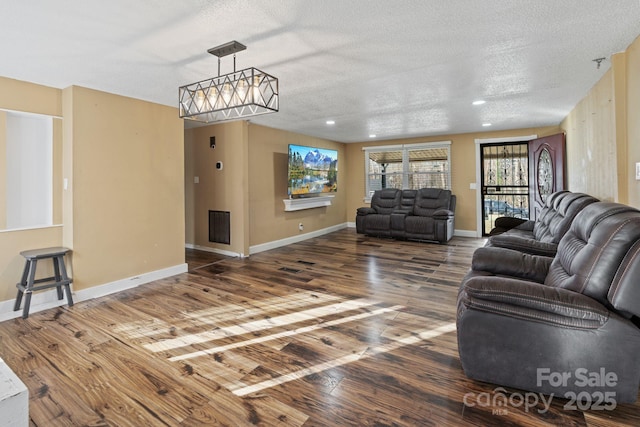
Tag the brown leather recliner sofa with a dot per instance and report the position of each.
(424, 214)
(564, 325)
(541, 237)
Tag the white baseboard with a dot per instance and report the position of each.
(49, 299)
(214, 250)
(465, 233)
(351, 225)
(294, 239)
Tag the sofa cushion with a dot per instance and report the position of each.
(429, 200)
(386, 201)
(556, 219)
(596, 244)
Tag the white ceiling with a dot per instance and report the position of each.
(396, 69)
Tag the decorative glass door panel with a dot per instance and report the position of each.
(505, 182)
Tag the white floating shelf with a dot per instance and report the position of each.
(307, 203)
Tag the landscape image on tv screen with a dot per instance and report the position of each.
(312, 170)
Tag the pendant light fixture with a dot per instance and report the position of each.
(244, 93)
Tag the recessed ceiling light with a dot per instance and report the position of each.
(373, 135)
(479, 102)
(486, 124)
(331, 122)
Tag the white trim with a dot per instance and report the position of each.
(29, 113)
(214, 250)
(35, 227)
(49, 299)
(478, 142)
(294, 239)
(307, 203)
(415, 146)
(14, 398)
(351, 224)
(405, 148)
(465, 233)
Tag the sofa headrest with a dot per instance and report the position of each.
(408, 198)
(429, 200)
(557, 217)
(624, 294)
(386, 200)
(590, 252)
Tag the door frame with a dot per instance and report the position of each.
(476, 185)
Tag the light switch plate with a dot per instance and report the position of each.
(638, 171)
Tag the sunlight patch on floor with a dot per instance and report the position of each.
(292, 376)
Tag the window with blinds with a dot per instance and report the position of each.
(411, 166)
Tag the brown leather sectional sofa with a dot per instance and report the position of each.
(566, 324)
(424, 214)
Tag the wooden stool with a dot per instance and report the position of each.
(60, 278)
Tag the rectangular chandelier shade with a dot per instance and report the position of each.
(232, 96)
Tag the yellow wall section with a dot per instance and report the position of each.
(463, 162)
(30, 98)
(3, 169)
(591, 139)
(223, 189)
(128, 188)
(268, 158)
(632, 67)
(603, 133)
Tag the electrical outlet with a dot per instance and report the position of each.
(300, 227)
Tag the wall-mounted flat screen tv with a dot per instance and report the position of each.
(312, 170)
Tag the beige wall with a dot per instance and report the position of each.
(31, 98)
(251, 185)
(591, 140)
(603, 133)
(3, 167)
(463, 163)
(632, 76)
(268, 157)
(123, 211)
(127, 187)
(223, 189)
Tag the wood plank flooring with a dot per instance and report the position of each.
(339, 330)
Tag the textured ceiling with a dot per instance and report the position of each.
(391, 68)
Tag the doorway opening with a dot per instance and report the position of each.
(504, 182)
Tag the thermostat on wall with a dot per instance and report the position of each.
(219, 165)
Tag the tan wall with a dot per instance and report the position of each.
(3, 168)
(632, 73)
(222, 190)
(591, 139)
(30, 98)
(268, 157)
(603, 133)
(128, 188)
(463, 163)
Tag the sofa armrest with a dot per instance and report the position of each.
(533, 301)
(443, 214)
(508, 222)
(524, 244)
(527, 225)
(507, 262)
(365, 211)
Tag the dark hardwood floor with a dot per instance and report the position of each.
(340, 330)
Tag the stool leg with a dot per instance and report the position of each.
(65, 278)
(29, 287)
(23, 283)
(56, 263)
